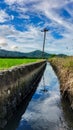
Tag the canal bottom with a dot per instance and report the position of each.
(46, 110)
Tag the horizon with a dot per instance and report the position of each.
(34, 51)
(21, 22)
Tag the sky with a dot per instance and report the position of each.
(22, 22)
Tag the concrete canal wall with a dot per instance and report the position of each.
(15, 85)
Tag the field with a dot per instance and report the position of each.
(6, 63)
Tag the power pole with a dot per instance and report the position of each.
(45, 30)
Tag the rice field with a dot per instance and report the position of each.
(6, 63)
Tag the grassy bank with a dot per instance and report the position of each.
(66, 62)
(6, 63)
(64, 69)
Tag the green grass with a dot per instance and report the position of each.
(7, 62)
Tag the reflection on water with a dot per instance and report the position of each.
(46, 110)
(44, 88)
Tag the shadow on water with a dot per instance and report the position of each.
(44, 109)
(14, 121)
(67, 115)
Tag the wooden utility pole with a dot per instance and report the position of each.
(45, 30)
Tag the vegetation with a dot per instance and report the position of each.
(64, 70)
(9, 62)
(66, 62)
(33, 54)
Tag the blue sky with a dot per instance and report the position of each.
(21, 22)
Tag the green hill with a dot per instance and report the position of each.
(37, 54)
(33, 54)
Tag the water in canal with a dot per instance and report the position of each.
(46, 110)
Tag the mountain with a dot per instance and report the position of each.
(37, 54)
(5, 53)
(33, 54)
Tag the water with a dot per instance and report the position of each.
(46, 110)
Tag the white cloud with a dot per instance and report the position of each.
(22, 16)
(5, 17)
(20, 2)
(12, 17)
(14, 47)
(22, 40)
(10, 1)
(47, 8)
(3, 42)
(32, 38)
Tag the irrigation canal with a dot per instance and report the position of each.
(46, 110)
